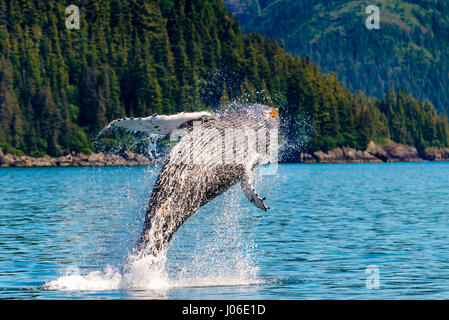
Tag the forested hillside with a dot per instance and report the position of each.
(59, 87)
(409, 52)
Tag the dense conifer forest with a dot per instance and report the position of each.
(59, 87)
(410, 51)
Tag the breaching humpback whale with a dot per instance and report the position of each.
(216, 151)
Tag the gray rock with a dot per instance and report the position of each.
(377, 151)
(73, 160)
(343, 155)
(401, 152)
(306, 158)
(393, 152)
(436, 154)
(3, 159)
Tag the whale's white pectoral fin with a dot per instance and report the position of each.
(161, 124)
(250, 192)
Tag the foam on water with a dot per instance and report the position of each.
(225, 261)
(147, 273)
(113, 280)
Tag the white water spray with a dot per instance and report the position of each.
(220, 256)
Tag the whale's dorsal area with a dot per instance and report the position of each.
(160, 124)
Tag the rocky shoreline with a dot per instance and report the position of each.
(392, 152)
(75, 160)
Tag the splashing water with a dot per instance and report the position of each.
(224, 262)
(227, 261)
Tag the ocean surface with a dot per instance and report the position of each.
(337, 231)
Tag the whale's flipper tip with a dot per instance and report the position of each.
(250, 192)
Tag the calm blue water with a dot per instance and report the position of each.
(68, 232)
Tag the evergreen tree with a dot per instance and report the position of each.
(59, 87)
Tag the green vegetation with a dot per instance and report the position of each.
(410, 52)
(58, 87)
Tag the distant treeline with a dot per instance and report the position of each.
(58, 87)
(410, 51)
